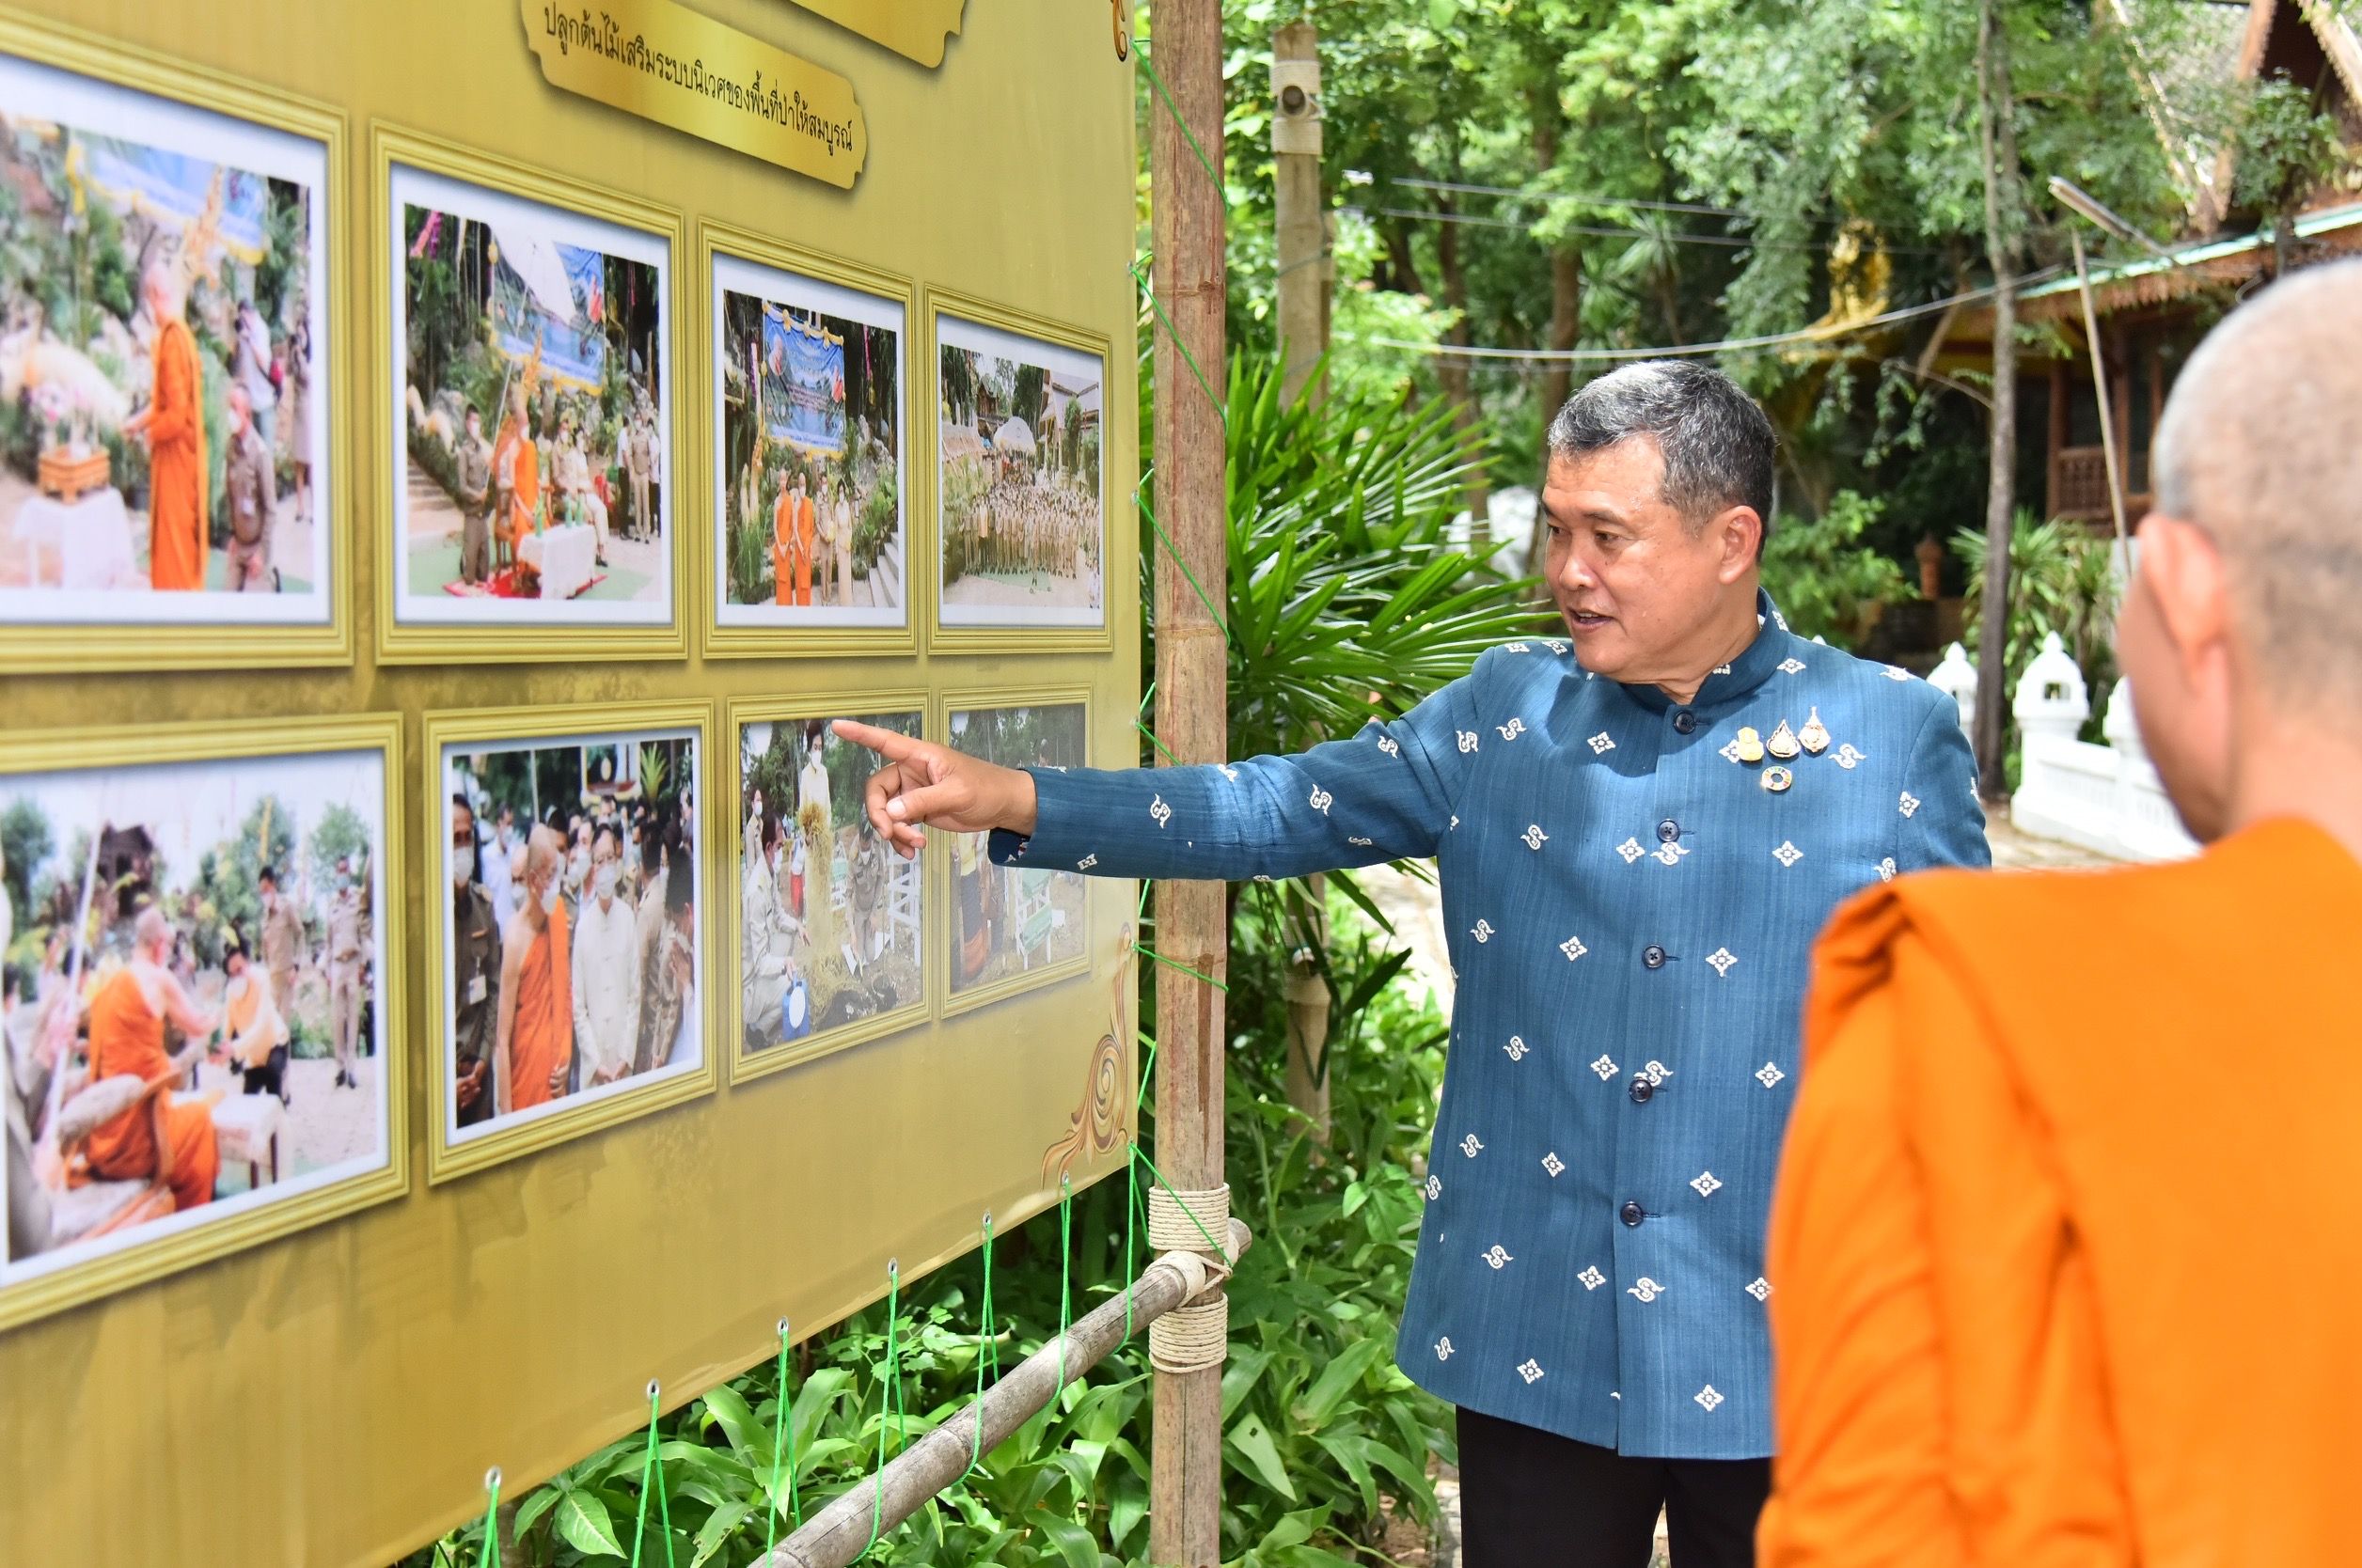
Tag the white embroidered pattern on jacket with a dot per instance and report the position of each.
(1468, 739)
(1482, 931)
(1534, 836)
(1630, 849)
(1769, 1074)
(1708, 1398)
(1792, 666)
(1573, 949)
(1558, 647)
(1160, 811)
(1760, 1288)
(1706, 1183)
(1357, 843)
(1601, 743)
(1647, 1290)
(1322, 800)
(1388, 745)
(1605, 1068)
(1444, 1348)
(1517, 1048)
(1552, 1163)
(1227, 771)
(1656, 1073)
(1851, 759)
(1516, 648)
(1894, 674)
(1722, 959)
(1498, 1257)
(1670, 855)
(1730, 749)
(1591, 1276)
(1886, 868)
(1086, 862)
(1909, 804)
(1530, 1371)
(1435, 1187)
(1787, 853)
(1512, 729)
(1471, 1147)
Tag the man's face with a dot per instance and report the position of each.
(474, 425)
(463, 845)
(235, 965)
(270, 893)
(602, 862)
(1633, 583)
(241, 410)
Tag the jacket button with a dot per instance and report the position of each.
(1630, 1213)
(1643, 1090)
(1668, 831)
(1652, 957)
(1684, 721)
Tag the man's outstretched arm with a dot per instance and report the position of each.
(1385, 794)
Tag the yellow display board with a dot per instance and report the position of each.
(450, 982)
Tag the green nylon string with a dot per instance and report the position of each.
(1174, 964)
(1065, 1274)
(782, 1447)
(1187, 357)
(1158, 743)
(1157, 81)
(1141, 1155)
(651, 1479)
(984, 1346)
(490, 1556)
(889, 1395)
(1175, 551)
(1147, 1076)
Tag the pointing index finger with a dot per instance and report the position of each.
(886, 743)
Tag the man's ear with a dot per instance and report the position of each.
(2190, 583)
(1741, 531)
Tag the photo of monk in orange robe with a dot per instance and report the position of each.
(127, 1019)
(174, 423)
(535, 1045)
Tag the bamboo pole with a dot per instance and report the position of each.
(1192, 707)
(844, 1530)
(2107, 418)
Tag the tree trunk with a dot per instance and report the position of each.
(1456, 376)
(1558, 375)
(2004, 209)
(1188, 209)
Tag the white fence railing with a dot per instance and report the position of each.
(2106, 798)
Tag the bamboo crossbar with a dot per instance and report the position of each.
(844, 1530)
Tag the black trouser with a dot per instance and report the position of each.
(271, 1077)
(1534, 1499)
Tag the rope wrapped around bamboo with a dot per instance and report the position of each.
(1191, 1339)
(1170, 1228)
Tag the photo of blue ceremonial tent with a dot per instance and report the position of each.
(533, 430)
(163, 423)
(808, 520)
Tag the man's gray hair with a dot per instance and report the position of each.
(2259, 446)
(1717, 443)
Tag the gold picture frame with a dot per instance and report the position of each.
(841, 705)
(133, 1263)
(957, 1001)
(449, 1159)
(935, 303)
(477, 641)
(100, 646)
(718, 242)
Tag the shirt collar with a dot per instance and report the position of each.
(1774, 646)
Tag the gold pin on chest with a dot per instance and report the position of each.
(1750, 745)
(1814, 737)
(1777, 779)
(1783, 742)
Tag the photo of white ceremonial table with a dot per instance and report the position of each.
(92, 538)
(565, 557)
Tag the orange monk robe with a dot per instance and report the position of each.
(526, 496)
(784, 548)
(806, 532)
(177, 532)
(541, 1035)
(2067, 1245)
(126, 1036)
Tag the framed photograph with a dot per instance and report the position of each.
(1020, 480)
(1012, 928)
(201, 1022)
(565, 953)
(829, 923)
(810, 424)
(172, 478)
(530, 412)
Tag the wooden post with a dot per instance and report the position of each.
(2004, 219)
(1297, 199)
(1192, 711)
(2100, 385)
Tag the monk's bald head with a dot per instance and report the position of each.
(152, 932)
(2259, 447)
(543, 850)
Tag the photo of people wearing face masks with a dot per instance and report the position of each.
(585, 981)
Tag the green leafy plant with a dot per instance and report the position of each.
(1826, 581)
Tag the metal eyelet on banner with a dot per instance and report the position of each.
(1122, 34)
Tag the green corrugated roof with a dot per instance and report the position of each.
(2307, 227)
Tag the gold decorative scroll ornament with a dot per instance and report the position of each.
(919, 28)
(669, 64)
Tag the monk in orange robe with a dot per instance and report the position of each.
(127, 1019)
(2068, 1246)
(517, 462)
(783, 559)
(535, 1044)
(178, 535)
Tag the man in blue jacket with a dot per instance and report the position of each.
(1639, 830)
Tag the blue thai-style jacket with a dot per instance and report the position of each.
(1631, 899)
